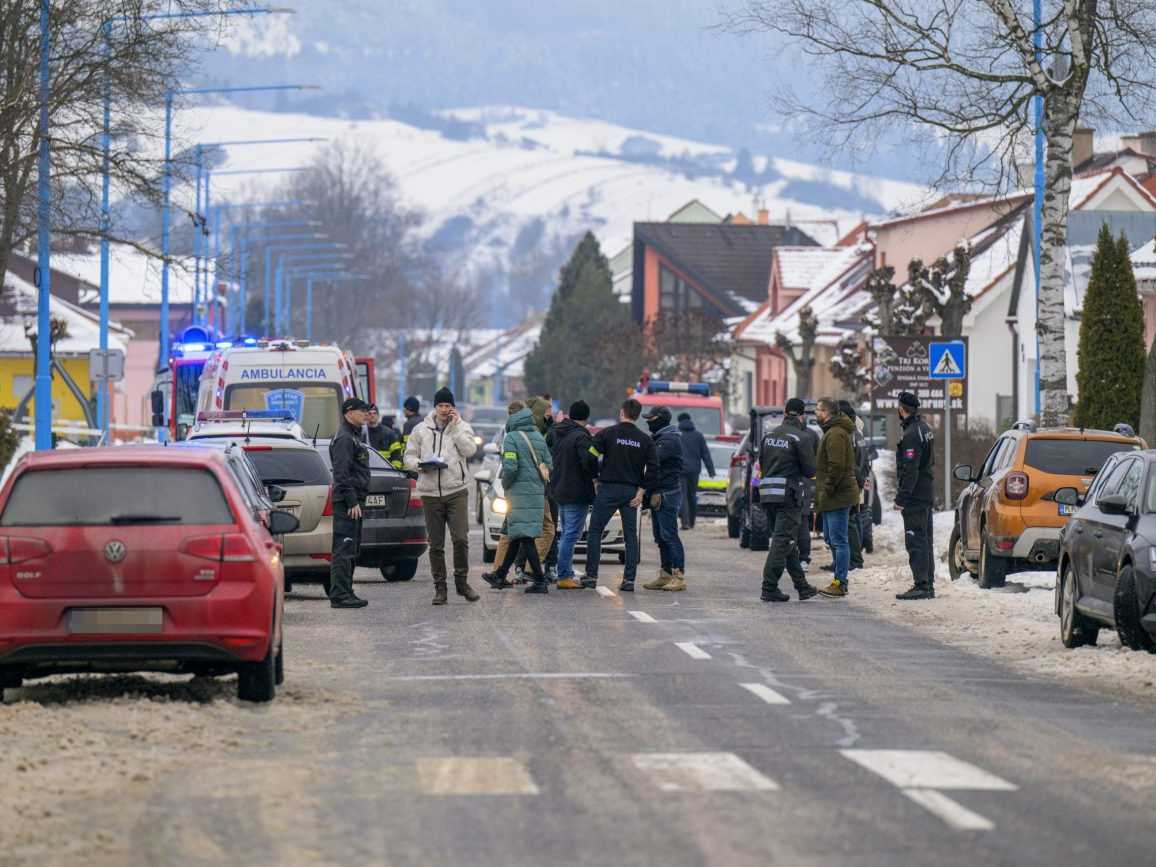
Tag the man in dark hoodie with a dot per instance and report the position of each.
(572, 483)
(835, 488)
(664, 496)
(695, 454)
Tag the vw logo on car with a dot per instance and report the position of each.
(115, 551)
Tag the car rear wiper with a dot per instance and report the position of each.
(145, 519)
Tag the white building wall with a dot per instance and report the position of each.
(991, 363)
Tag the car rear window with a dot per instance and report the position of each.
(376, 462)
(1070, 457)
(116, 495)
(289, 467)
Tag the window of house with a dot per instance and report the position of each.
(678, 296)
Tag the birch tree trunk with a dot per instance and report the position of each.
(1059, 125)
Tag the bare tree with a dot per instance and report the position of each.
(943, 288)
(802, 358)
(850, 367)
(689, 346)
(94, 44)
(963, 75)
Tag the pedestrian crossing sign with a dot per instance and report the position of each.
(947, 360)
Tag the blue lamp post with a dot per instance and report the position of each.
(240, 250)
(166, 210)
(323, 277)
(43, 253)
(282, 302)
(271, 317)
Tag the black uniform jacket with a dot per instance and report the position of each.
(787, 453)
(350, 459)
(914, 464)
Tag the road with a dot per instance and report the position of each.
(648, 728)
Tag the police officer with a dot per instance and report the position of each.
(914, 471)
(350, 458)
(807, 524)
(786, 460)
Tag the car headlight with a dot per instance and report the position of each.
(477, 440)
(501, 505)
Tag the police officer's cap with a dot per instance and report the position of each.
(795, 406)
(353, 404)
(908, 400)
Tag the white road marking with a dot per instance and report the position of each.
(927, 769)
(642, 617)
(702, 772)
(692, 650)
(527, 675)
(474, 776)
(767, 694)
(952, 812)
(605, 592)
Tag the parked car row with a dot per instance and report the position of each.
(1080, 501)
(177, 558)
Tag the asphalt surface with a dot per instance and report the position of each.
(654, 728)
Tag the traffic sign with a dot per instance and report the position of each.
(106, 365)
(947, 360)
(902, 364)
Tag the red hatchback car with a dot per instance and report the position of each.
(139, 558)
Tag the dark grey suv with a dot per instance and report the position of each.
(1107, 568)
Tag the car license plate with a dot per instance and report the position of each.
(108, 621)
(375, 500)
(1067, 510)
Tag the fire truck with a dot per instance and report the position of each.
(706, 411)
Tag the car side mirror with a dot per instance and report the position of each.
(276, 493)
(1068, 497)
(1113, 504)
(962, 473)
(490, 449)
(157, 400)
(282, 523)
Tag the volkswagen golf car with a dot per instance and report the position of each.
(1107, 570)
(139, 558)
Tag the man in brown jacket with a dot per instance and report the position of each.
(836, 490)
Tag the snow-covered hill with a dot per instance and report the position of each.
(503, 185)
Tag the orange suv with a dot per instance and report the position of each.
(1007, 518)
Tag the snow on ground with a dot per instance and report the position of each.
(1020, 629)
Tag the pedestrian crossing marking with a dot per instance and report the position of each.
(483, 775)
(605, 592)
(950, 811)
(702, 772)
(642, 617)
(927, 769)
(692, 650)
(947, 366)
(764, 692)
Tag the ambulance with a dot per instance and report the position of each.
(308, 380)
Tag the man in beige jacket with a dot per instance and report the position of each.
(438, 451)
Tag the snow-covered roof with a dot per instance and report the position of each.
(133, 277)
(1144, 265)
(83, 329)
(505, 354)
(799, 267)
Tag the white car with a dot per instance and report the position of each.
(493, 506)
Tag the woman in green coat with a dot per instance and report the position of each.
(525, 460)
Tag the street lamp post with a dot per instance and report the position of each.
(167, 184)
(335, 277)
(272, 306)
(282, 300)
(43, 252)
(240, 250)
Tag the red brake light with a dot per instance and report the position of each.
(205, 547)
(414, 499)
(257, 448)
(22, 549)
(1015, 485)
(328, 512)
(236, 549)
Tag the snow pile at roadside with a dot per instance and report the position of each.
(1018, 629)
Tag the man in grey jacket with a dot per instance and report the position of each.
(438, 450)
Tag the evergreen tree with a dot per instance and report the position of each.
(588, 348)
(1111, 351)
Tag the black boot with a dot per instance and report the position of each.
(440, 596)
(496, 580)
(538, 584)
(806, 591)
(917, 592)
(463, 587)
(774, 594)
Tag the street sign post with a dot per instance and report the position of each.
(106, 366)
(947, 361)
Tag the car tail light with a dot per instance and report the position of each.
(235, 548)
(739, 459)
(205, 547)
(328, 511)
(414, 499)
(257, 448)
(21, 549)
(1015, 485)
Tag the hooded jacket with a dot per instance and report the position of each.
(668, 450)
(575, 468)
(539, 408)
(835, 485)
(521, 480)
(695, 452)
(454, 444)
